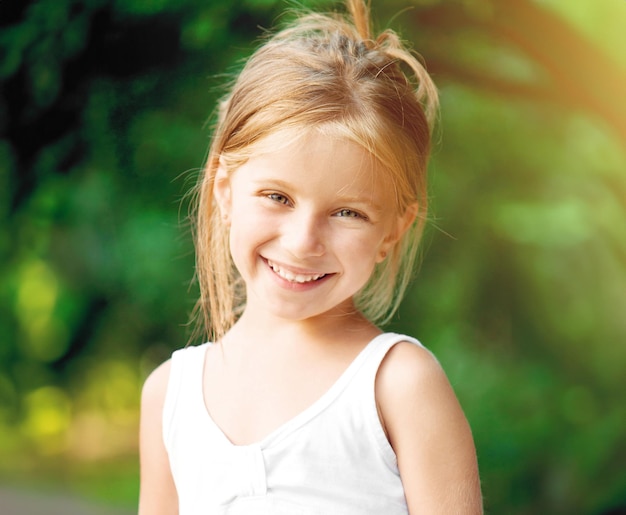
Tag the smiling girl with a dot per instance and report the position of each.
(309, 213)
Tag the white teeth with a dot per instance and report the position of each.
(294, 278)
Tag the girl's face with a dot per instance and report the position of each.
(308, 223)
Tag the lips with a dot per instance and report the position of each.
(293, 277)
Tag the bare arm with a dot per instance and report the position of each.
(157, 493)
(429, 434)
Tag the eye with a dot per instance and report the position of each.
(349, 213)
(278, 197)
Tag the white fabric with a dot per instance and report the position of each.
(333, 458)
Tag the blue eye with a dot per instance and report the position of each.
(277, 197)
(348, 213)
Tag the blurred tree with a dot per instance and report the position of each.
(557, 64)
(525, 306)
(103, 112)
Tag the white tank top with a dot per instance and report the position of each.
(332, 458)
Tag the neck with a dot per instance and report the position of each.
(265, 330)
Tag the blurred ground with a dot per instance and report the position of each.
(22, 502)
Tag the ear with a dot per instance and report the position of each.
(399, 227)
(222, 192)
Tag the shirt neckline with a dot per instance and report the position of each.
(284, 429)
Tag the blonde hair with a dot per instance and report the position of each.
(325, 71)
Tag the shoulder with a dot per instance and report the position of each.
(408, 364)
(157, 492)
(428, 431)
(155, 385)
(410, 376)
(153, 396)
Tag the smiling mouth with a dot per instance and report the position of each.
(294, 278)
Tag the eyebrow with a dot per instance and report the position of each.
(370, 201)
(361, 200)
(274, 182)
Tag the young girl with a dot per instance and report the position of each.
(308, 217)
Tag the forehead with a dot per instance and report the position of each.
(318, 156)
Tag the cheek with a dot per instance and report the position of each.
(235, 250)
(241, 243)
(247, 235)
(362, 253)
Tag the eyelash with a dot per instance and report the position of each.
(351, 214)
(279, 197)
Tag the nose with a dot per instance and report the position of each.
(303, 235)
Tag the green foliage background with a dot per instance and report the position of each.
(104, 122)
